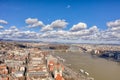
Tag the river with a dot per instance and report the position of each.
(98, 68)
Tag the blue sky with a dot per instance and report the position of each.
(91, 12)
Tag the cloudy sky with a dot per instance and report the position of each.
(79, 21)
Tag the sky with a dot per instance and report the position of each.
(87, 21)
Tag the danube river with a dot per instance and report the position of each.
(98, 68)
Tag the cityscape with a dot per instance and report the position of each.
(43, 61)
(59, 39)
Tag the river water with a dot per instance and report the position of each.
(98, 68)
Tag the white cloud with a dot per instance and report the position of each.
(13, 28)
(85, 34)
(80, 33)
(93, 29)
(34, 22)
(31, 20)
(39, 23)
(59, 24)
(46, 28)
(51, 34)
(14, 33)
(116, 35)
(77, 32)
(1, 27)
(3, 22)
(115, 23)
(56, 34)
(79, 26)
(113, 31)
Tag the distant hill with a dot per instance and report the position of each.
(54, 42)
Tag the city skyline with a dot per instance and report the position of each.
(78, 21)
